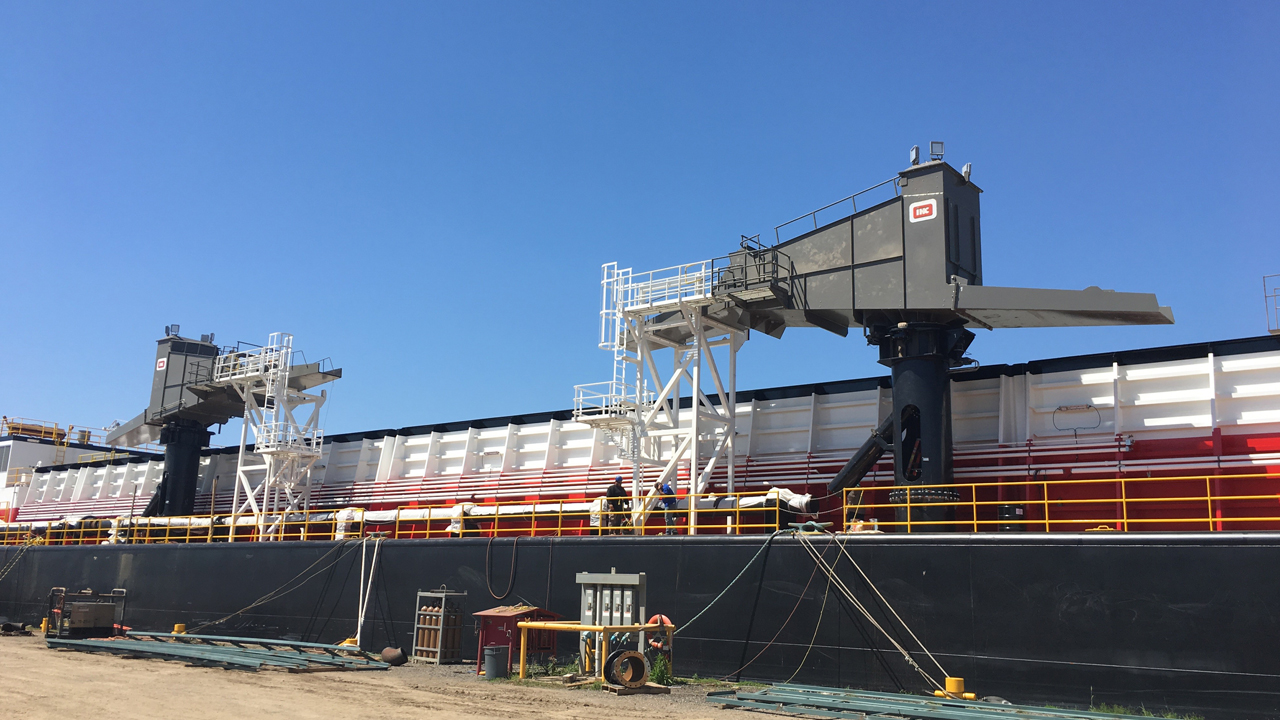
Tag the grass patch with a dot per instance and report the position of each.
(1142, 711)
(715, 682)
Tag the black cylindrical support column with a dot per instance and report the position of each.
(921, 356)
(183, 440)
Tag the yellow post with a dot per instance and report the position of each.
(908, 508)
(973, 490)
(179, 628)
(1045, 494)
(524, 647)
(1208, 498)
(1124, 504)
(671, 651)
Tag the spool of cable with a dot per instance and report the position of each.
(627, 668)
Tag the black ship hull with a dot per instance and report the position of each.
(1185, 622)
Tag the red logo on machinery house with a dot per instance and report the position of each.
(923, 210)
(161, 363)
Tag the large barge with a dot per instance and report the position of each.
(1074, 530)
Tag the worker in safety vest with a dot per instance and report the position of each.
(596, 513)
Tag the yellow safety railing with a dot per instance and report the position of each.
(724, 514)
(1178, 503)
(721, 514)
(63, 437)
(310, 525)
(1182, 503)
(45, 430)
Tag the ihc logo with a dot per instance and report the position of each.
(923, 210)
(161, 363)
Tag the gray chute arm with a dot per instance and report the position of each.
(1004, 307)
(865, 459)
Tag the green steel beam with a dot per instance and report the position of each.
(222, 654)
(834, 702)
(977, 704)
(114, 647)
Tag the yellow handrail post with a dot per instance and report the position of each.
(1124, 503)
(524, 646)
(1044, 497)
(1208, 498)
(908, 509)
(560, 519)
(973, 496)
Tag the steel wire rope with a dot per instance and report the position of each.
(488, 569)
(13, 561)
(816, 627)
(783, 626)
(324, 591)
(280, 592)
(896, 616)
(388, 622)
(848, 594)
(731, 582)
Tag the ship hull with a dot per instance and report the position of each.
(1183, 621)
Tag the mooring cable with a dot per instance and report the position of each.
(280, 592)
(781, 627)
(731, 582)
(898, 617)
(826, 594)
(848, 594)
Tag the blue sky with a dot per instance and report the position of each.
(425, 192)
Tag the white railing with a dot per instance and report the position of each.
(667, 286)
(285, 437)
(1271, 291)
(610, 400)
(243, 364)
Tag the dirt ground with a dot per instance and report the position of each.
(38, 683)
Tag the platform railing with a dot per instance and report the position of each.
(720, 514)
(1189, 503)
(853, 209)
(583, 516)
(609, 400)
(1193, 503)
(64, 436)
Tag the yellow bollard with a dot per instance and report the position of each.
(955, 689)
(44, 626)
(179, 628)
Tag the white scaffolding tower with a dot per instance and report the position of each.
(641, 314)
(288, 448)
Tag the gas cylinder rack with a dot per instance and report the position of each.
(437, 627)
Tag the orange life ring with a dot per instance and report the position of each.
(659, 642)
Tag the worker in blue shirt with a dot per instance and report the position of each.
(668, 501)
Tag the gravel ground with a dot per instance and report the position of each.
(38, 683)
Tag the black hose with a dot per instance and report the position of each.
(551, 543)
(488, 561)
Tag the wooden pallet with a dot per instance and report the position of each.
(646, 689)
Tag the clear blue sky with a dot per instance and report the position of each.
(425, 192)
